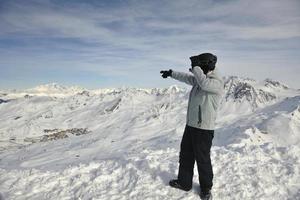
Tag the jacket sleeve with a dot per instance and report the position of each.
(206, 83)
(184, 77)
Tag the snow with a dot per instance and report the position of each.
(132, 143)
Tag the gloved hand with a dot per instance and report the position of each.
(165, 74)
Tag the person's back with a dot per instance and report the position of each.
(204, 100)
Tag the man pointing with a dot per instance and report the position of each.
(204, 99)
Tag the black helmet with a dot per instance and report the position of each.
(206, 61)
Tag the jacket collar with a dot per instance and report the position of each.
(213, 74)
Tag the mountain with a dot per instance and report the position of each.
(255, 93)
(274, 84)
(54, 88)
(60, 142)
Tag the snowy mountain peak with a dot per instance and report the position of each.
(172, 89)
(49, 87)
(55, 88)
(274, 84)
(246, 89)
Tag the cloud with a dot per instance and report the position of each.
(140, 19)
(134, 37)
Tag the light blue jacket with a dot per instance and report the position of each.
(204, 98)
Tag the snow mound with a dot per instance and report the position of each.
(284, 124)
(277, 123)
(145, 175)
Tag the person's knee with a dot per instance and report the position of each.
(203, 160)
(186, 159)
(186, 155)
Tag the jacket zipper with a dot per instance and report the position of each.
(189, 102)
(199, 116)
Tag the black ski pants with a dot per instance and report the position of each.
(195, 145)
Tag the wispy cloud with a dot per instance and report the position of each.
(131, 40)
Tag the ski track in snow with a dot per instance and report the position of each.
(133, 152)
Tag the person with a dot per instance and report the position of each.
(204, 99)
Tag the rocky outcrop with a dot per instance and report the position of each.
(238, 89)
(56, 134)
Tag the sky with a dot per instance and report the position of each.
(116, 43)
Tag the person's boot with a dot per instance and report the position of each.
(175, 184)
(205, 194)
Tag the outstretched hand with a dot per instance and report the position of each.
(166, 74)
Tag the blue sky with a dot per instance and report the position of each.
(116, 43)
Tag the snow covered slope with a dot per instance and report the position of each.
(62, 142)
